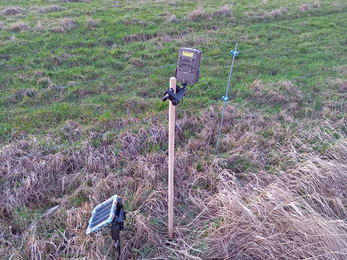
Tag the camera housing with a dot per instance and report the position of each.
(188, 66)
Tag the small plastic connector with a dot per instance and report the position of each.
(234, 53)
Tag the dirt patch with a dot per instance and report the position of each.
(13, 10)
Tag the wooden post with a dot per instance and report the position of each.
(172, 118)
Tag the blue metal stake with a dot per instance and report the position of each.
(226, 98)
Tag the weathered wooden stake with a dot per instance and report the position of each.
(172, 118)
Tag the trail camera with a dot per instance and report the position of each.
(109, 212)
(187, 72)
(188, 66)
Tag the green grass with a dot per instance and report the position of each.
(300, 43)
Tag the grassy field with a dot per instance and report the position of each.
(81, 119)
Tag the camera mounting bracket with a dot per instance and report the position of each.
(175, 98)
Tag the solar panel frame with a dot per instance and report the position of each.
(107, 218)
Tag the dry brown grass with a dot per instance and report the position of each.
(13, 39)
(137, 62)
(305, 7)
(256, 85)
(19, 26)
(57, 29)
(91, 23)
(224, 11)
(284, 93)
(166, 13)
(244, 38)
(316, 4)
(276, 13)
(273, 194)
(39, 27)
(197, 13)
(69, 24)
(174, 19)
(12, 10)
(2, 25)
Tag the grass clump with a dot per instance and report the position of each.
(197, 13)
(69, 24)
(91, 23)
(166, 13)
(57, 30)
(276, 13)
(137, 62)
(174, 19)
(39, 27)
(12, 10)
(2, 25)
(19, 26)
(305, 7)
(224, 11)
(316, 4)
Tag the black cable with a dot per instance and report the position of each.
(178, 109)
(156, 175)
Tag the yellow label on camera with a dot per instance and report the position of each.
(188, 54)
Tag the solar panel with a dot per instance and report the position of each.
(103, 214)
